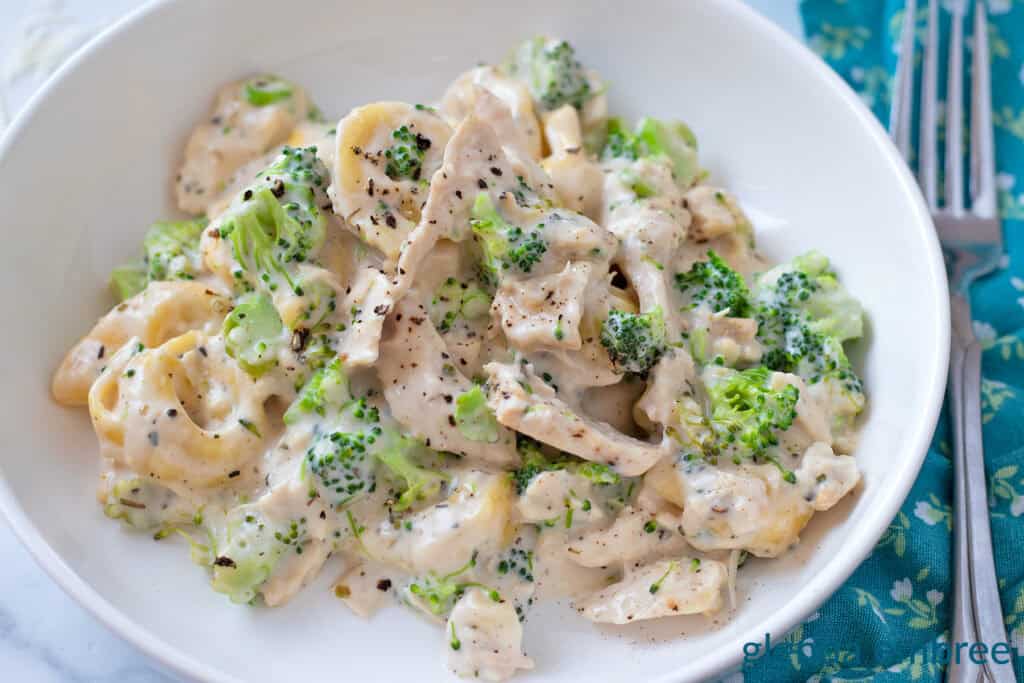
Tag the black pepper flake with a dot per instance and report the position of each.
(99, 354)
(447, 398)
(154, 438)
(224, 561)
(481, 183)
(233, 473)
(247, 195)
(458, 193)
(277, 189)
(390, 220)
(451, 420)
(369, 187)
(384, 585)
(202, 350)
(299, 338)
(172, 412)
(496, 171)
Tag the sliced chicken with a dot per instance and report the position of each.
(485, 638)
(544, 312)
(421, 383)
(526, 404)
(634, 536)
(662, 589)
(236, 132)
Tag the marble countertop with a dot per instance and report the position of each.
(45, 636)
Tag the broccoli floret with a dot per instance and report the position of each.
(551, 72)
(620, 142)
(438, 594)
(534, 461)
(171, 253)
(342, 465)
(473, 418)
(143, 504)
(405, 157)
(253, 333)
(634, 341)
(672, 141)
(266, 89)
(504, 245)
(454, 300)
(172, 250)
(713, 282)
(327, 388)
(279, 220)
(251, 549)
(804, 316)
(417, 483)
(127, 281)
(747, 414)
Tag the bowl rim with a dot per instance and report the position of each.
(813, 594)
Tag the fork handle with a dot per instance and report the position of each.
(978, 613)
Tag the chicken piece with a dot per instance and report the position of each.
(473, 160)
(662, 589)
(366, 586)
(384, 150)
(672, 377)
(461, 99)
(485, 638)
(811, 423)
(715, 213)
(543, 312)
(441, 538)
(526, 404)
(824, 477)
(748, 507)
(556, 574)
(635, 536)
(577, 179)
(161, 311)
(421, 384)
(734, 339)
(237, 132)
(551, 494)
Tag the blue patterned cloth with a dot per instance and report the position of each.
(889, 622)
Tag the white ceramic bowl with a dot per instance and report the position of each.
(88, 166)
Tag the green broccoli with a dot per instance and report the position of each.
(342, 465)
(454, 300)
(551, 72)
(171, 253)
(747, 415)
(327, 388)
(505, 246)
(534, 461)
(254, 334)
(438, 594)
(714, 283)
(474, 419)
(278, 221)
(416, 482)
(671, 141)
(634, 341)
(804, 316)
(143, 504)
(266, 89)
(127, 281)
(405, 157)
(250, 549)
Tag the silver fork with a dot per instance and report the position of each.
(972, 245)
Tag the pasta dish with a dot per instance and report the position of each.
(469, 355)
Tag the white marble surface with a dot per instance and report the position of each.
(44, 635)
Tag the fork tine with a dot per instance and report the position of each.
(954, 115)
(903, 97)
(926, 146)
(983, 162)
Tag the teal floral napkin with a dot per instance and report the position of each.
(890, 621)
